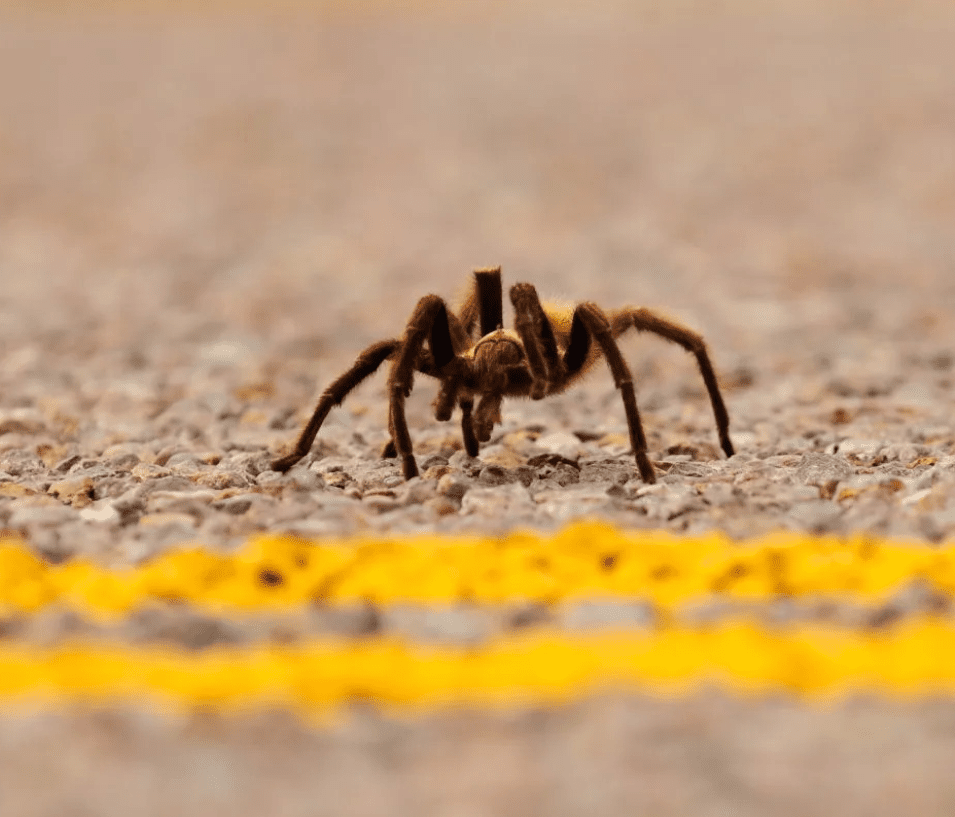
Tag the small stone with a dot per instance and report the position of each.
(819, 469)
(379, 503)
(498, 456)
(684, 469)
(147, 471)
(76, 492)
(415, 491)
(452, 486)
(616, 471)
(816, 516)
(54, 514)
(304, 479)
(434, 461)
(15, 490)
(222, 480)
(561, 442)
(462, 461)
(505, 502)
(236, 505)
(51, 454)
(337, 479)
(124, 462)
(66, 464)
(436, 472)
(675, 501)
(521, 441)
(570, 503)
(495, 475)
(560, 474)
(184, 463)
(441, 505)
(164, 519)
(100, 512)
(719, 493)
(170, 483)
(860, 450)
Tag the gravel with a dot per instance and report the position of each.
(203, 220)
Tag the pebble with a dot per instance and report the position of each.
(506, 502)
(561, 442)
(815, 516)
(496, 475)
(76, 492)
(563, 504)
(453, 486)
(820, 469)
(29, 515)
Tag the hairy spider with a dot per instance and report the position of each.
(550, 348)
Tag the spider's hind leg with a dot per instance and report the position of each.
(366, 365)
(643, 320)
(483, 306)
(590, 324)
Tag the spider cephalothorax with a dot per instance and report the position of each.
(475, 359)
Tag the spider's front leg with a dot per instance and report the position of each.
(366, 364)
(467, 428)
(429, 322)
(537, 335)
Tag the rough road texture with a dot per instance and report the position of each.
(204, 219)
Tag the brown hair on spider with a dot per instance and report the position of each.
(549, 349)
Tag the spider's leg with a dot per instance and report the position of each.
(429, 321)
(366, 364)
(471, 444)
(590, 319)
(643, 320)
(483, 306)
(451, 380)
(536, 333)
(578, 347)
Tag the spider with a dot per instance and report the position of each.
(550, 349)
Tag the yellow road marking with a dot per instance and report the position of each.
(914, 659)
(585, 560)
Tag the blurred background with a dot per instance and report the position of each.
(297, 174)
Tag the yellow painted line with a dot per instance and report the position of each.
(583, 561)
(915, 659)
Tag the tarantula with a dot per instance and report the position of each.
(550, 348)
